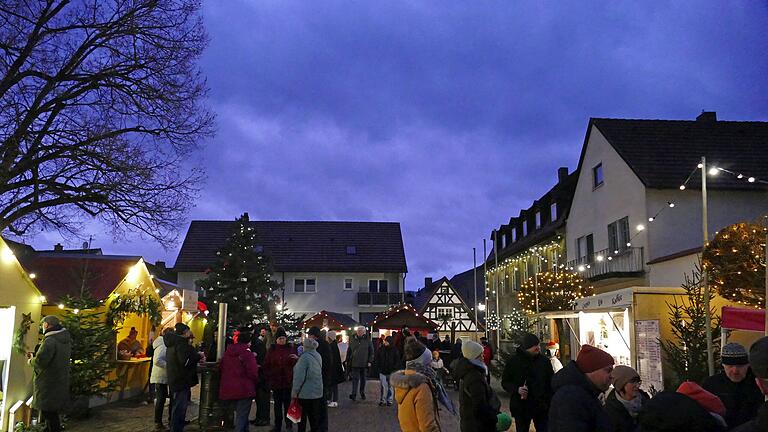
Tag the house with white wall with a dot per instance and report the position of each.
(354, 268)
(631, 224)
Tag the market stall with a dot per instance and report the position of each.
(629, 324)
(403, 315)
(20, 306)
(182, 306)
(331, 321)
(742, 325)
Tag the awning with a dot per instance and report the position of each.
(743, 319)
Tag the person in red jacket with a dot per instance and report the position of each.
(487, 356)
(239, 376)
(278, 369)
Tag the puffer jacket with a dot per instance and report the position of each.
(479, 405)
(159, 364)
(308, 373)
(278, 366)
(239, 373)
(51, 366)
(575, 406)
(416, 408)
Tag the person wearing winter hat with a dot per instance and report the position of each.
(670, 411)
(624, 402)
(324, 349)
(758, 361)
(707, 400)
(528, 379)
(278, 371)
(553, 348)
(735, 385)
(575, 406)
(308, 387)
(478, 403)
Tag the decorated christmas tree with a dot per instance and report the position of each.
(93, 348)
(554, 291)
(687, 350)
(735, 261)
(241, 278)
(289, 321)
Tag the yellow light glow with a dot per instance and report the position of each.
(61, 306)
(42, 299)
(6, 255)
(32, 275)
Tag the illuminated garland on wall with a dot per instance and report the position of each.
(735, 262)
(135, 301)
(556, 291)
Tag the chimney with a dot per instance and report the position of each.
(427, 282)
(707, 116)
(160, 264)
(562, 174)
(246, 217)
(58, 247)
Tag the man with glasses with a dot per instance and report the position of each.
(575, 406)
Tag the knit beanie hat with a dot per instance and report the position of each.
(413, 349)
(280, 332)
(706, 399)
(552, 345)
(314, 331)
(591, 359)
(471, 350)
(330, 335)
(758, 357)
(734, 354)
(528, 340)
(622, 375)
(181, 328)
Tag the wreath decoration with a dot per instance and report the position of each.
(21, 333)
(134, 301)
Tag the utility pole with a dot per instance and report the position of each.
(474, 273)
(704, 275)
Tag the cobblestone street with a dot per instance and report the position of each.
(132, 416)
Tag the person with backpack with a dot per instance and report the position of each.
(479, 404)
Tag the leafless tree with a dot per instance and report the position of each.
(101, 109)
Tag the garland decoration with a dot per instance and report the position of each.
(20, 335)
(134, 301)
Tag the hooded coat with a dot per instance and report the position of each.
(670, 411)
(181, 359)
(536, 373)
(159, 363)
(741, 400)
(360, 352)
(479, 405)
(416, 408)
(239, 373)
(575, 406)
(51, 366)
(278, 366)
(308, 373)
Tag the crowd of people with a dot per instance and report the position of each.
(590, 393)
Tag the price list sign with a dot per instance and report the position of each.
(649, 355)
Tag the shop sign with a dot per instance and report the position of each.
(189, 300)
(620, 298)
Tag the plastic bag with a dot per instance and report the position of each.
(294, 411)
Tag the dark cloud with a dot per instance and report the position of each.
(447, 117)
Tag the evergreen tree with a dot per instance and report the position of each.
(241, 278)
(93, 347)
(735, 261)
(687, 351)
(289, 321)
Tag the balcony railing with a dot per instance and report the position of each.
(609, 263)
(379, 299)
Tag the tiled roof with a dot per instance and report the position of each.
(303, 246)
(663, 152)
(464, 284)
(57, 275)
(423, 295)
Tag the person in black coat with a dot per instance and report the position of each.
(324, 349)
(735, 386)
(337, 370)
(575, 406)
(478, 404)
(671, 411)
(528, 379)
(387, 360)
(259, 349)
(181, 365)
(626, 400)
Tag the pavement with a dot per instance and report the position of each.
(133, 416)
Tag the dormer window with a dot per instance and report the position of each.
(553, 212)
(525, 228)
(351, 250)
(514, 234)
(538, 220)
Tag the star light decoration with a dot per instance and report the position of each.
(518, 320)
(735, 262)
(556, 291)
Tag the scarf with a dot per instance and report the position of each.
(438, 391)
(632, 406)
(479, 363)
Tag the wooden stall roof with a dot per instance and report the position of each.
(403, 315)
(334, 321)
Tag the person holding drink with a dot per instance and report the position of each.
(528, 377)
